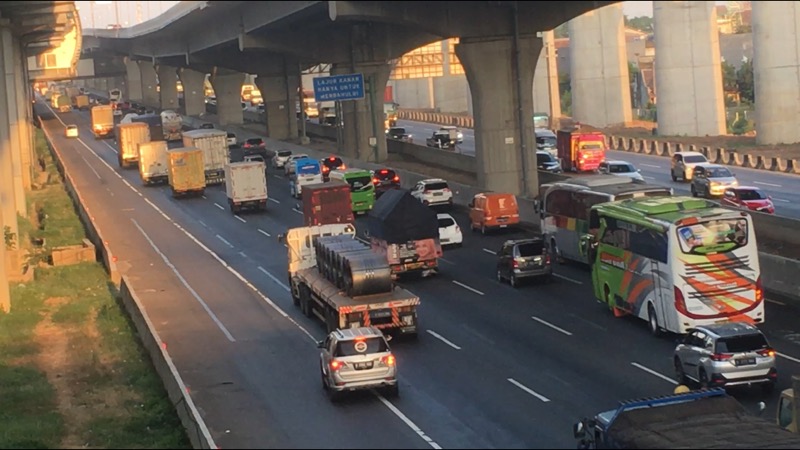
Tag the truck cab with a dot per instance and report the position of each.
(307, 171)
(362, 191)
(580, 151)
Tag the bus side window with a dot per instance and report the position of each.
(594, 220)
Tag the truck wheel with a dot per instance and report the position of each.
(332, 322)
(305, 301)
(680, 375)
(174, 193)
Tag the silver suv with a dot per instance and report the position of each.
(724, 355)
(357, 359)
(711, 180)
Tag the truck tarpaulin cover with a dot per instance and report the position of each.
(717, 422)
(397, 218)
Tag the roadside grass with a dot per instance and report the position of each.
(72, 371)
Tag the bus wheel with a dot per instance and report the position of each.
(557, 252)
(610, 302)
(652, 319)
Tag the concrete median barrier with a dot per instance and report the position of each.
(778, 277)
(432, 155)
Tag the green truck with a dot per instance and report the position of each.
(362, 191)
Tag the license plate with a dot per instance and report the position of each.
(363, 365)
(437, 194)
(745, 361)
(413, 266)
(444, 241)
(503, 226)
(359, 203)
(380, 314)
(502, 219)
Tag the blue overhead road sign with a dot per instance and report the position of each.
(339, 87)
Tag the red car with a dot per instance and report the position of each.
(746, 197)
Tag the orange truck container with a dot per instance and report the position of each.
(580, 151)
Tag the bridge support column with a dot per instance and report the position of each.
(364, 118)
(12, 74)
(193, 91)
(776, 71)
(133, 81)
(149, 82)
(168, 87)
(502, 136)
(228, 90)
(688, 77)
(25, 132)
(601, 92)
(546, 97)
(279, 91)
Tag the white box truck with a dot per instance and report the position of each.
(214, 144)
(153, 162)
(246, 185)
(172, 123)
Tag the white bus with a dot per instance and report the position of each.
(565, 206)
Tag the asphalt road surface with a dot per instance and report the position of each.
(784, 188)
(494, 367)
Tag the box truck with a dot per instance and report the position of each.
(186, 171)
(327, 203)
(246, 185)
(102, 121)
(153, 163)
(129, 136)
(214, 144)
(172, 124)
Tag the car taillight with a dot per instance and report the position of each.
(547, 259)
(336, 364)
(721, 356)
(680, 302)
(389, 360)
(375, 181)
(515, 264)
(458, 228)
(766, 352)
(396, 179)
(759, 290)
(446, 189)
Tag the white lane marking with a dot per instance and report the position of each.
(650, 165)
(223, 240)
(264, 233)
(219, 206)
(766, 184)
(204, 197)
(90, 166)
(567, 279)
(781, 200)
(447, 261)
(242, 254)
(546, 323)
(790, 358)
(185, 283)
(467, 287)
(274, 201)
(297, 211)
(443, 339)
(112, 148)
(776, 302)
(528, 390)
(653, 372)
(275, 279)
(648, 178)
(491, 252)
(408, 421)
(267, 300)
(202, 223)
(240, 219)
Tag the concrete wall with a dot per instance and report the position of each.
(776, 68)
(415, 93)
(434, 156)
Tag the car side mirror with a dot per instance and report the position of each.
(281, 238)
(769, 197)
(321, 344)
(579, 430)
(388, 337)
(471, 204)
(639, 170)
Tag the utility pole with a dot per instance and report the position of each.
(91, 12)
(116, 13)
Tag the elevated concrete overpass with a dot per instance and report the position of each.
(275, 40)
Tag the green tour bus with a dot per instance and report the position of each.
(362, 191)
(675, 262)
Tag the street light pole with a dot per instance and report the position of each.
(116, 12)
(91, 12)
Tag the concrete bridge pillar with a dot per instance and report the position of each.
(149, 83)
(228, 90)
(689, 97)
(168, 87)
(279, 91)
(601, 93)
(133, 81)
(546, 97)
(24, 114)
(364, 118)
(776, 70)
(493, 82)
(14, 202)
(193, 91)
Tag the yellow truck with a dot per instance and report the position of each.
(153, 162)
(129, 136)
(102, 121)
(82, 102)
(186, 171)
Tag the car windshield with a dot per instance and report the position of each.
(718, 172)
(384, 174)
(544, 158)
(743, 343)
(546, 140)
(713, 236)
(693, 159)
(438, 186)
(359, 183)
(284, 153)
(752, 195)
(255, 159)
(445, 222)
(621, 168)
(351, 348)
(336, 162)
(255, 141)
(231, 135)
(396, 131)
(531, 249)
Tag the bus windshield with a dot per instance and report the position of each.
(713, 236)
(360, 183)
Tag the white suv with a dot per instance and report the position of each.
(280, 158)
(356, 359)
(683, 164)
(433, 192)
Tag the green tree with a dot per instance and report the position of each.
(642, 23)
(743, 29)
(561, 31)
(730, 80)
(745, 82)
(565, 91)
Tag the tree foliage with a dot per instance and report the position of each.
(746, 82)
(561, 31)
(642, 23)
(730, 80)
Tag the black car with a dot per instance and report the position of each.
(547, 162)
(523, 259)
(398, 133)
(331, 163)
(384, 180)
(254, 145)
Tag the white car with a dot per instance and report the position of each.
(620, 169)
(433, 192)
(683, 164)
(71, 131)
(449, 231)
(232, 139)
(280, 158)
(288, 168)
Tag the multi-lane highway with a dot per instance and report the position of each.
(494, 367)
(784, 188)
